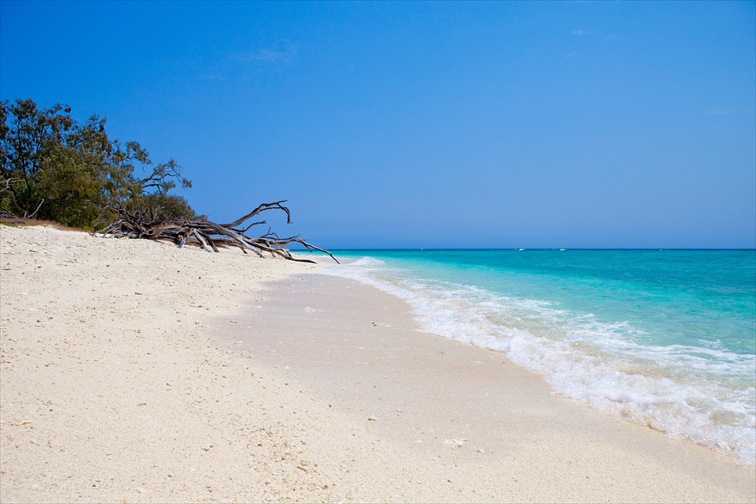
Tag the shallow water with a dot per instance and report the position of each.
(663, 338)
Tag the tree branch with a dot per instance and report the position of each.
(207, 234)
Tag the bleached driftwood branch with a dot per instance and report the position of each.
(209, 235)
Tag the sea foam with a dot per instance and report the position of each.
(705, 395)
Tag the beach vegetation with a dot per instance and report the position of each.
(56, 168)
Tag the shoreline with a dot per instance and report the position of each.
(680, 364)
(121, 379)
(470, 409)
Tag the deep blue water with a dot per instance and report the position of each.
(665, 338)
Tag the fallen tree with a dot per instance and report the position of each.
(206, 234)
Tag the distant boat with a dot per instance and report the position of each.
(562, 250)
(519, 250)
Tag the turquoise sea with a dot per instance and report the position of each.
(664, 338)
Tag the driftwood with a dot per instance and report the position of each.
(208, 235)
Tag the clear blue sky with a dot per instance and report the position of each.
(514, 124)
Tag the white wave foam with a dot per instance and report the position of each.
(706, 395)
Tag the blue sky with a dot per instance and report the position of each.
(564, 124)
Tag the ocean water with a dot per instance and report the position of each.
(663, 338)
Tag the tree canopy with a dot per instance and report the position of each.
(56, 168)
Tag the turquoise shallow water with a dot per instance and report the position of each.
(665, 338)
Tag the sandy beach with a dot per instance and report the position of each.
(134, 371)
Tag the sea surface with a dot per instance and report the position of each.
(664, 338)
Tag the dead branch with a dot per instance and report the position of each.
(31, 216)
(209, 235)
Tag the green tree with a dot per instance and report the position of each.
(167, 206)
(27, 136)
(59, 169)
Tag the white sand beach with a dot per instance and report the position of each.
(134, 371)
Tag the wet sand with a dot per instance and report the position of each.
(489, 429)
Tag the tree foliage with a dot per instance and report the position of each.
(57, 168)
